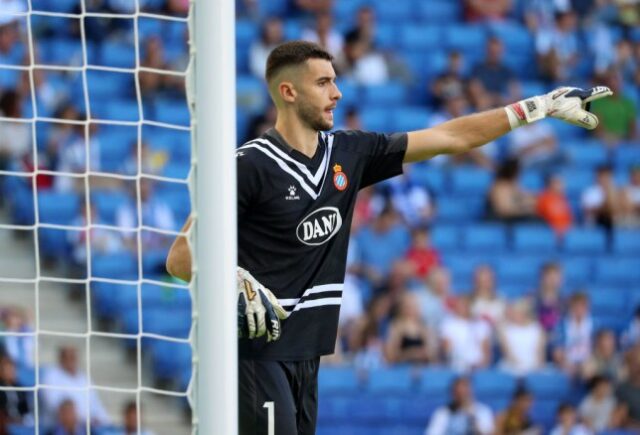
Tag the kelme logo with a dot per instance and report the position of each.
(319, 226)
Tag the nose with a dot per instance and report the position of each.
(336, 93)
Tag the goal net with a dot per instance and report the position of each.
(96, 179)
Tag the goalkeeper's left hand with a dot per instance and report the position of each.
(259, 311)
(568, 104)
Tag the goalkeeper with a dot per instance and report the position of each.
(297, 186)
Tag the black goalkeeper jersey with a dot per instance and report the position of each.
(294, 218)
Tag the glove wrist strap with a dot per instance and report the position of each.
(525, 112)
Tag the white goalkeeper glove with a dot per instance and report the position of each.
(259, 311)
(568, 104)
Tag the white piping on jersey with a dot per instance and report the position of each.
(318, 303)
(284, 167)
(324, 166)
(315, 289)
(315, 179)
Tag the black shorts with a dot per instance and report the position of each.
(282, 393)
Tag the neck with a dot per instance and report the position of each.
(298, 136)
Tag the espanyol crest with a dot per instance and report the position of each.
(339, 178)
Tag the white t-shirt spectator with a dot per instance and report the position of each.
(335, 41)
(529, 135)
(466, 338)
(56, 376)
(578, 340)
(478, 419)
(523, 342)
(15, 140)
(597, 413)
(593, 197)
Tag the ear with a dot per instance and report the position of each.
(287, 92)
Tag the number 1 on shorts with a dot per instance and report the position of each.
(271, 417)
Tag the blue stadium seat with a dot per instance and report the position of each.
(148, 27)
(272, 8)
(617, 271)
(122, 110)
(577, 271)
(576, 180)
(118, 54)
(586, 153)
(462, 265)
(251, 94)
(409, 118)
(470, 181)
(430, 177)
(375, 119)
(585, 241)
(106, 85)
(456, 210)
(104, 297)
(334, 409)
(114, 266)
(515, 290)
(435, 382)
(10, 78)
(391, 93)
(492, 384)
(17, 429)
(531, 180)
(390, 380)
(351, 93)
(170, 359)
(610, 301)
(439, 12)
(516, 39)
(386, 36)
(62, 51)
(57, 208)
(533, 239)
(420, 37)
(468, 38)
(626, 242)
(418, 408)
(549, 384)
(617, 322)
(626, 156)
(531, 88)
(107, 203)
(445, 237)
(399, 12)
(519, 269)
(543, 412)
(168, 322)
(173, 112)
(484, 238)
(338, 380)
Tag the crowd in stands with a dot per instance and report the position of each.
(497, 258)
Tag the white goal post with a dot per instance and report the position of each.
(215, 220)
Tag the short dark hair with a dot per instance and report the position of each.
(293, 53)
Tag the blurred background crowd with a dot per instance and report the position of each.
(490, 292)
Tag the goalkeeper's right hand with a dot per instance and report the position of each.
(259, 311)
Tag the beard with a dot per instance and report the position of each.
(312, 117)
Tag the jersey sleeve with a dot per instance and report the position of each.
(247, 182)
(383, 154)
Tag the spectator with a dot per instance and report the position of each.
(262, 122)
(422, 255)
(313, 6)
(557, 47)
(365, 340)
(156, 213)
(605, 360)
(464, 415)
(150, 161)
(153, 83)
(324, 34)
(365, 27)
(465, 339)
(15, 407)
(631, 336)
(507, 200)
(486, 304)
(617, 114)
(577, 333)
(487, 10)
(67, 422)
(410, 199)
(271, 35)
(602, 202)
(408, 338)
(631, 199)
(129, 422)
(522, 340)
(535, 147)
(567, 423)
(67, 374)
(549, 305)
(15, 140)
(515, 420)
(20, 348)
(359, 62)
(352, 120)
(494, 76)
(451, 81)
(628, 391)
(600, 410)
(553, 205)
(73, 157)
(436, 301)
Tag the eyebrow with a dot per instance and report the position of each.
(325, 78)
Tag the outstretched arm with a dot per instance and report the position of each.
(467, 132)
(179, 258)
